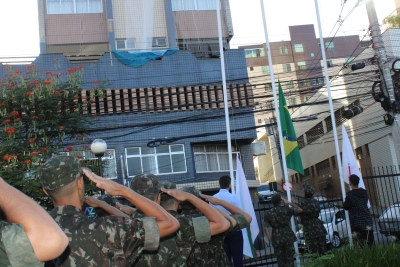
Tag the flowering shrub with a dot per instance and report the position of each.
(40, 113)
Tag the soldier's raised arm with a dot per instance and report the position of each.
(166, 223)
(46, 238)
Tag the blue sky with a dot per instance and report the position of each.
(19, 22)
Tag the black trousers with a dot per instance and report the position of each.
(364, 236)
(233, 246)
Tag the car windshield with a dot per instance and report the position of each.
(391, 212)
(326, 217)
(264, 187)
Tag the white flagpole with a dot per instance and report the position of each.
(283, 157)
(228, 130)
(328, 87)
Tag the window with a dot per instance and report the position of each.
(304, 83)
(365, 44)
(159, 42)
(182, 5)
(265, 69)
(359, 153)
(333, 162)
(302, 65)
(155, 160)
(317, 81)
(312, 55)
(298, 48)
(329, 46)
(213, 158)
(283, 50)
(312, 171)
(129, 43)
(292, 101)
(348, 61)
(74, 6)
(323, 167)
(367, 149)
(286, 67)
(306, 173)
(108, 160)
(268, 87)
(254, 53)
(306, 98)
(329, 63)
(290, 85)
(259, 121)
(251, 68)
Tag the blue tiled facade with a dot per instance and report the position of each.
(181, 69)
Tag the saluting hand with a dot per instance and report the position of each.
(109, 186)
(177, 194)
(213, 200)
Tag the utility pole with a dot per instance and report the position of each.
(386, 77)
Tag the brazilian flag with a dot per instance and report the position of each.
(292, 152)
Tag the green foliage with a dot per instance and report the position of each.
(393, 21)
(40, 113)
(387, 256)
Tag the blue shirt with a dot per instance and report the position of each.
(228, 197)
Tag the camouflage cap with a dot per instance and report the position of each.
(308, 189)
(108, 199)
(275, 199)
(145, 184)
(59, 171)
(191, 190)
(168, 185)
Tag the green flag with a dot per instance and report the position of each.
(292, 152)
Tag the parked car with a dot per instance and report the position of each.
(389, 221)
(334, 221)
(265, 192)
(324, 203)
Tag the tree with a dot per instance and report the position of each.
(40, 115)
(393, 21)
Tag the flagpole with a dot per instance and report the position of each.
(335, 137)
(228, 130)
(283, 158)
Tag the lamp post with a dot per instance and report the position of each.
(98, 148)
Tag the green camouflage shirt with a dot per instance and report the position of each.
(279, 219)
(166, 255)
(106, 241)
(312, 225)
(216, 256)
(15, 247)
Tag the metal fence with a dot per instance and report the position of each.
(383, 187)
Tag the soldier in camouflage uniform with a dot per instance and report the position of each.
(282, 237)
(238, 219)
(313, 229)
(28, 235)
(107, 241)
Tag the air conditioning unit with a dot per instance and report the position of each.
(258, 149)
(359, 156)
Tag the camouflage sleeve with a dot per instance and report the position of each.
(241, 221)
(294, 211)
(202, 229)
(152, 233)
(18, 247)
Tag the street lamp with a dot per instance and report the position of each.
(98, 148)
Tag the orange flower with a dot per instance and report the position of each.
(44, 149)
(6, 121)
(34, 153)
(96, 81)
(29, 93)
(2, 104)
(10, 130)
(27, 161)
(5, 158)
(35, 117)
(79, 156)
(35, 81)
(61, 128)
(17, 119)
(57, 92)
(32, 140)
(17, 71)
(85, 147)
(14, 113)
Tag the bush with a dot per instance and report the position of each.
(387, 256)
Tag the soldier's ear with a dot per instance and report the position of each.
(44, 191)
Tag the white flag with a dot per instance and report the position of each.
(242, 192)
(349, 162)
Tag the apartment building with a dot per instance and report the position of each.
(177, 97)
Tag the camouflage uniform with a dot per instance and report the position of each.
(188, 233)
(108, 241)
(216, 254)
(15, 247)
(167, 254)
(282, 235)
(313, 229)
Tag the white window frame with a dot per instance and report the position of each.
(283, 50)
(253, 53)
(302, 65)
(179, 5)
(217, 153)
(298, 48)
(109, 155)
(265, 69)
(287, 67)
(74, 7)
(329, 46)
(155, 154)
(126, 42)
(156, 41)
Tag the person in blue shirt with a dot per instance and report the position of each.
(233, 243)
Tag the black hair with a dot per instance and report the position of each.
(354, 179)
(224, 181)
